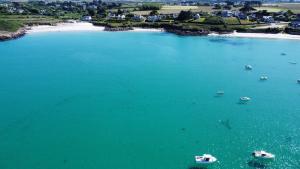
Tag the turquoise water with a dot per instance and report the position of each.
(125, 100)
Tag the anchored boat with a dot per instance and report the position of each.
(220, 92)
(205, 159)
(264, 78)
(245, 99)
(248, 67)
(263, 155)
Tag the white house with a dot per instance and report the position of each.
(226, 13)
(86, 18)
(197, 16)
(153, 18)
(121, 17)
(138, 18)
(268, 19)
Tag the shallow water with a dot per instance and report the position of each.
(132, 100)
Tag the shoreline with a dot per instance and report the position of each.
(258, 35)
(80, 26)
(85, 26)
(5, 36)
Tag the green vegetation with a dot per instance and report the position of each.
(150, 6)
(214, 20)
(185, 15)
(10, 26)
(31, 19)
(132, 14)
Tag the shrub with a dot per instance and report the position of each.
(150, 6)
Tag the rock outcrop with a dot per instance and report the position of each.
(4, 35)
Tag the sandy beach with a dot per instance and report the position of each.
(259, 35)
(78, 26)
(84, 26)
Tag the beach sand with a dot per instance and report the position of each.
(85, 26)
(259, 35)
(78, 26)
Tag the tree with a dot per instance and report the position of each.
(229, 3)
(227, 7)
(120, 12)
(214, 20)
(247, 8)
(217, 6)
(185, 15)
(91, 12)
(150, 6)
(154, 12)
(101, 10)
(289, 13)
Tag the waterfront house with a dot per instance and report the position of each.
(295, 24)
(226, 13)
(240, 15)
(20, 11)
(121, 17)
(197, 16)
(267, 19)
(153, 18)
(175, 15)
(86, 18)
(138, 18)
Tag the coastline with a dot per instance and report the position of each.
(85, 26)
(79, 26)
(258, 35)
(4, 36)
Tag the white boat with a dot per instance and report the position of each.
(205, 159)
(248, 67)
(264, 78)
(263, 155)
(245, 99)
(220, 92)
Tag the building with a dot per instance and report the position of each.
(267, 19)
(197, 16)
(295, 24)
(226, 13)
(240, 15)
(153, 18)
(121, 17)
(138, 18)
(86, 18)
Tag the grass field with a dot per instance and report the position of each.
(30, 19)
(167, 9)
(295, 7)
(10, 26)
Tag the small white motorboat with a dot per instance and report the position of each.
(220, 92)
(263, 155)
(245, 99)
(293, 63)
(248, 67)
(264, 78)
(205, 159)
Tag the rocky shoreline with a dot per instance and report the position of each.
(116, 29)
(188, 32)
(12, 35)
(181, 31)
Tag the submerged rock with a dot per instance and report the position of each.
(226, 124)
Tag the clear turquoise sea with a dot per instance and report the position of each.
(146, 100)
